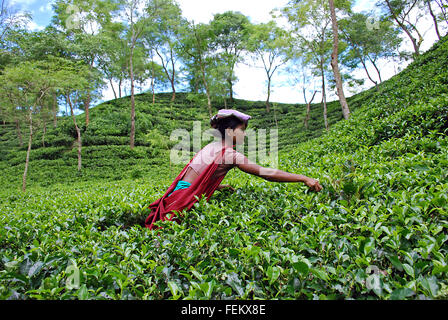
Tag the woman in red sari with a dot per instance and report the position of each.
(205, 171)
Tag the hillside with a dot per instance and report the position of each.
(377, 230)
(106, 139)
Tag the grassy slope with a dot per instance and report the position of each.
(106, 154)
(384, 204)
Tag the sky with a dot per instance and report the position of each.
(251, 83)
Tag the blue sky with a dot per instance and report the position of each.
(251, 84)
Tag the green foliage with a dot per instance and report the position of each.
(377, 230)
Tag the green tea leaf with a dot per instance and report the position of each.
(273, 273)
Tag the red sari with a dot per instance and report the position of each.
(185, 198)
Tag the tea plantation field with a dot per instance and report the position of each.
(377, 230)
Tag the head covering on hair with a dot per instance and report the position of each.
(224, 113)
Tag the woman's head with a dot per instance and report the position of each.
(230, 127)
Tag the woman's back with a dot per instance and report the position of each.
(207, 154)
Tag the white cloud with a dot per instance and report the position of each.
(33, 26)
(22, 2)
(203, 10)
(46, 8)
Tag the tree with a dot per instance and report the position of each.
(83, 21)
(72, 81)
(438, 11)
(158, 78)
(310, 21)
(269, 43)
(10, 112)
(197, 50)
(27, 84)
(138, 15)
(167, 25)
(217, 77)
(443, 6)
(11, 19)
(115, 60)
(25, 45)
(368, 43)
(231, 30)
(400, 11)
(335, 64)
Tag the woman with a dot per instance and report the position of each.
(203, 174)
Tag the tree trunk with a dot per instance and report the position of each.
(45, 131)
(335, 64)
(119, 88)
(269, 95)
(207, 92)
(173, 97)
(86, 108)
(324, 96)
(376, 68)
(308, 106)
(173, 72)
(443, 10)
(78, 131)
(152, 84)
(19, 133)
(28, 151)
(405, 29)
(434, 18)
(368, 74)
(132, 138)
(170, 77)
(55, 110)
(229, 81)
(113, 89)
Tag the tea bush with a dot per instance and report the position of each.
(377, 230)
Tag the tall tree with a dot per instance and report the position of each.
(197, 50)
(301, 75)
(83, 21)
(11, 18)
(72, 80)
(401, 12)
(27, 84)
(139, 15)
(443, 6)
(368, 43)
(310, 21)
(115, 59)
(334, 62)
(231, 31)
(269, 43)
(167, 25)
(39, 46)
(438, 11)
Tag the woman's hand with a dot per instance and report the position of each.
(225, 186)
(313, 184)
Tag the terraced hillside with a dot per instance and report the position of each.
(377, 230)
(106, 153)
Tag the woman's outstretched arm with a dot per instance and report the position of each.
(276, 175)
